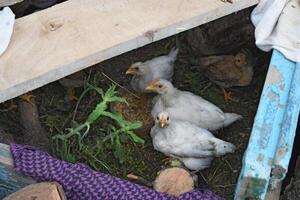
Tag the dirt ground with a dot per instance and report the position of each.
(55, 113)
(291, 184)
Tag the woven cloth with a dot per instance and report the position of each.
(81, 182)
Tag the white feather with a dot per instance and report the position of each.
(184, 105)
(161, 67)
(193, 145)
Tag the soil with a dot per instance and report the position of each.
(291, 184)
(34, 133)
(55, 113)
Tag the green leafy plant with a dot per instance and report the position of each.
(71, 145)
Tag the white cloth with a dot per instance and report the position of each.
(7, 20)
(277, 25)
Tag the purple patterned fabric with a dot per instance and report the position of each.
(81, 182)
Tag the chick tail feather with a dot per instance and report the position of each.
(230, 118)
(173, 54)
(197, 163)
(222, 147)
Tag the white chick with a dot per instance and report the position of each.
(157, 106)
(145, 72)
(186, 106)
(192, 145)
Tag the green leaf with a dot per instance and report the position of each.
(71, 158)
(136, 138)
(109, 136)
(97, 89)
(97, 112)
(135, 125)
(117, 99)
(110, 92)
(102, 106)
(117, 117)
(119, 152)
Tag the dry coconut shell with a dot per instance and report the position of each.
(138, 109)
(174, 181)
(39, 191)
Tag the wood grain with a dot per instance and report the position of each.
(39, 191)
(174, 181)
(76, 34)
(274, 194)
(4, 3)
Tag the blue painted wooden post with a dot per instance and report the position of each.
(266, 132)
(288, 131)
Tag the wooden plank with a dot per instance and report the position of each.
(287, 136)
(274, 193)
(288, 129)
(39, 191)
(73, 35)
(4, 3)
(10, 180)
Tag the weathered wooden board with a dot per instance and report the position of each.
(288, 129)
(73, 35)
(274, 192)
(10, 180)
(9, 2)
(39, 191)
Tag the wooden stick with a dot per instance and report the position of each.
(119, 85)
(139, 180)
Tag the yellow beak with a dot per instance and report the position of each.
(162, 123)
(131, 71)
(151, 88)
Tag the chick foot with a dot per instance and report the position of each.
(228, 96)
(71, 95)
(28, 98)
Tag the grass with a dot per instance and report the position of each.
(76, 144)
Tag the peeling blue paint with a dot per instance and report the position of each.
(288, 130)
(273, 131)
(10, 180)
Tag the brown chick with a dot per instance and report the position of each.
(228, 70)
(73, 81)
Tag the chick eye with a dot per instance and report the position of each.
(157, 118)
(136, 68)
(168, 118)
(160, 86)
